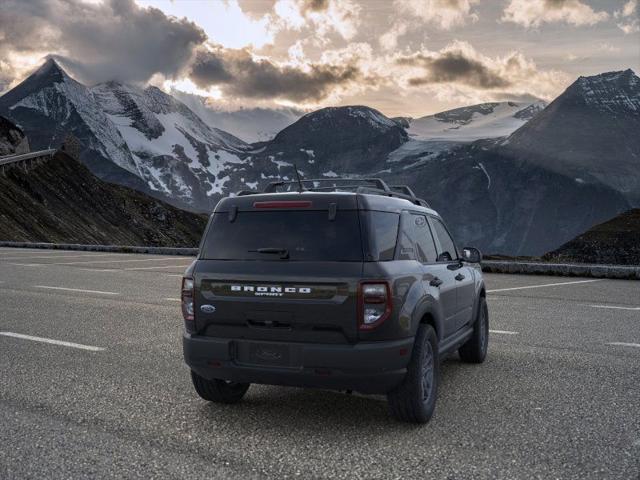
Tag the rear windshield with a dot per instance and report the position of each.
(304, 235)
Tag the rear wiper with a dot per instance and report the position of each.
(283, 252)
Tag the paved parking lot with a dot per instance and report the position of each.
(92, 384)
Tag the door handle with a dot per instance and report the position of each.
(459, 277)
(435, 282)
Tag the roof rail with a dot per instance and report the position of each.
(405, 189)
(375, 182)
(375, 186)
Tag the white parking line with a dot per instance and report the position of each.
(99, 269)
(76, 290)
(173, 299)
(544, 285)
(503, 332)
(613, 307)
(96, 261)
(24, 257)
(173, 275)
(53, 342)
(154, 268)
(624, 344)
(13, 252)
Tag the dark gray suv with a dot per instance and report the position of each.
(347, 285)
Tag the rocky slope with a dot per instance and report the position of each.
(616, 241)
(505, 205)
(12, 140)
(61, 201)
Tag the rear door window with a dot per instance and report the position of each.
(447, 251)
(426, 248)
(305, 235)
(416, 241)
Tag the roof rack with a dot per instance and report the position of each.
(375, 186)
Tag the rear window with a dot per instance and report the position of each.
(305, 235)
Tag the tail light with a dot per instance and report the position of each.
(374, 304)
(187, 303)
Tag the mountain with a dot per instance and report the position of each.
(352, 139)
(571, 166)
(250, 124)
(476, 122)
(49, 104)
(591, 133)
(55, 201)
(565, 168)
(141, 138)
(490, 199)
(612, 242)
(502, 204)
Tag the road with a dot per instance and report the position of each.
(558, 397)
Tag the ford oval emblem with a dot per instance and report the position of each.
(207, 308)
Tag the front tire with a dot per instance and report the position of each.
(219, 391)
(475, 349)
(414, 400)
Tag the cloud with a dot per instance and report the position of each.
(443, 13)
(322, 17)
(389, 39)
(239, 73)
(626, 24)
(112, 40)
(453, 66)
(533, 13)
(460, 73)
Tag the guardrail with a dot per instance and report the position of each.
(12, 159)
(562, 269)
(104, 248)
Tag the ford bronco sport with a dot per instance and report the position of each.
(355, 286)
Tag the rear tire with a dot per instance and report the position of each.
(475, 349)
(414, 400)
(219, 391)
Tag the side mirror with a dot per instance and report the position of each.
(471, 255)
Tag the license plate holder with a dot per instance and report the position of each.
(271, 354)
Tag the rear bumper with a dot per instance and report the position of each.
(372, 367)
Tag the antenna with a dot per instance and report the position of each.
(300, 187)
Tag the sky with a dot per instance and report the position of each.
(403, 57)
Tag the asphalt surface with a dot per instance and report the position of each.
(558, 397)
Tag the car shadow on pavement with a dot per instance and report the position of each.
(306, 410)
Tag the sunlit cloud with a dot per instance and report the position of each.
(533, 13)
(445, 14)
(628, 17)
(324, 17)
(389, 39)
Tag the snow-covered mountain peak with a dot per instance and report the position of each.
(51, 71)
(475, 122)
(610, 91)
(51, 93)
